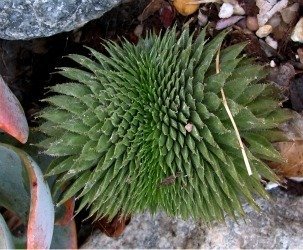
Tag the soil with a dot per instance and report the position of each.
(29, 67)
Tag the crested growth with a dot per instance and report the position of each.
(144, 128)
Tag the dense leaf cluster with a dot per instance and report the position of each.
(118, 128)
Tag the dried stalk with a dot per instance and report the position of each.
(245, 158)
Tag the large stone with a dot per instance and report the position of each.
(279, 224)
(26, 19)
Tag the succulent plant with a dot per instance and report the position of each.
(144, 128)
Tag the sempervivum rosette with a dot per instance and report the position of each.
(144, 128)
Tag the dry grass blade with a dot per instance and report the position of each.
(245, 158)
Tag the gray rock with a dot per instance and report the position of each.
(26, 19)
(279, 224)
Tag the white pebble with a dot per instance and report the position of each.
(264, 31)
(238, 10)
(226, 10)
(271, 42)
(189, 127)
(271, 185)
(297, 34)
(272, 64)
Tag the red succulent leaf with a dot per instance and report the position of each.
(12, 118)
(41, 215)
(72, 239)
(68, 215)
(113, 228)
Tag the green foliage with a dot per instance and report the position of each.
(118, 128)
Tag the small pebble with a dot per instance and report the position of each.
(226, 10)
(188, 127)
(252, 23)
(297, 34)
(238, 10)
(264, 31)
(290, 13)
(300, 54)
(226, 22)
(271, 42)
(269, 51)
(272, 64)
(275, 20)
(271, 185)
(138, 30)
(202, 19)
